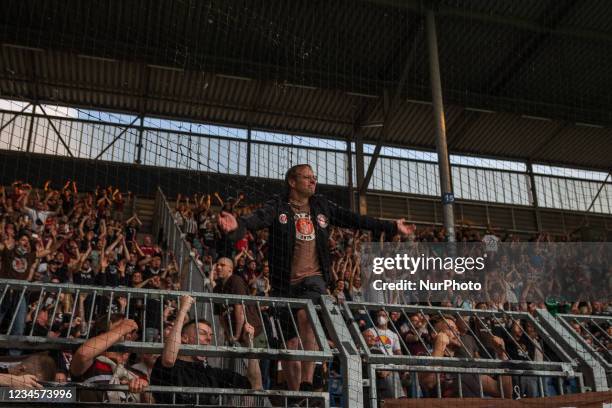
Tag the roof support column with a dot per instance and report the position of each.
(31, 130)
(359, 167)
(140, 141)
(248, 165)
(349, 171)
(534, 196)
(438, 111)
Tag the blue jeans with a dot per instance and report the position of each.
(550, 387)
(13, 306)
(264, 366)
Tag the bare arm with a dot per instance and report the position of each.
(239, 321)
(26, 381)
(490, 386)
(173, 341)
(140, 253)
(86, 354)
(429, 380)
(114, 244)
(81, 226)
(218, 197)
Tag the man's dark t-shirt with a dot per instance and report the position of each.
(153, 312)
(150, 272)
(86, 277)
(194, 374)
(235, 285)
(109, 277)
(14, 265)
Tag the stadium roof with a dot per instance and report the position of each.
(521, 79)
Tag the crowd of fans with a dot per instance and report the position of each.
(59, 235)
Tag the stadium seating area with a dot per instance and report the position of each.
(64, 237)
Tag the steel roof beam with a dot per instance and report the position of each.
(509, 21)
(529, 48)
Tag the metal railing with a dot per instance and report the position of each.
(589, 339)
(542, 384)
(182, 396)
(480, 325)
(71, 311)
(90, 302)
(192, 276)
(593, 333)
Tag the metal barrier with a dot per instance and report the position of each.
(559, 365)
(198, 397)
(594, 342)
(544, 383)
(90, 302)
(77, 307)
(553, 361)
(174, 238)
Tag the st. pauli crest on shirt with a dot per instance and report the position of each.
(304, 229)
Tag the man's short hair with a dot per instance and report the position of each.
(231, 262)
(293, 172)
(192, 322)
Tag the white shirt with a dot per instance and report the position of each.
(387, 340)
(38, 215)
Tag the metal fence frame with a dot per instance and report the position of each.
(562, 369)
(228, 393)
(590, 358)
(174, 240)
(206, 301)
(577, 361)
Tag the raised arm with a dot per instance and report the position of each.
(173, 341)
(114, 244)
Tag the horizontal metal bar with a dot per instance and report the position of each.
(471, 370)
(585, 317)
(49, 343)
(431, 309)
(465, 362)
(202, 390)
(217, 298)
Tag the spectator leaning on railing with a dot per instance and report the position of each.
(446, 343)
(92, 363)
(173, 369)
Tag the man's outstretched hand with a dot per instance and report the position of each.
(227, 222)
(404, 229)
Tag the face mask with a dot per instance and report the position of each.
(382, 320)
(21, 251)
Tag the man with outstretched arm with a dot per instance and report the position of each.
(299, 223)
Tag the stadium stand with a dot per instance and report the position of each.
(75, 276)
(161, 242)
